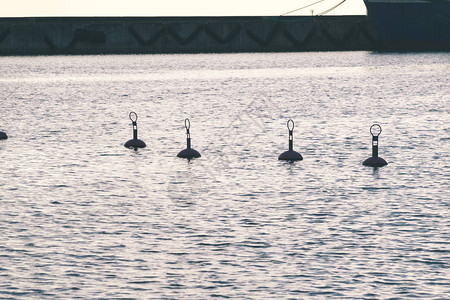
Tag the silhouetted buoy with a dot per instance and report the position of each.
(188, 152)
(290, 154)
(375, 161)
(3, 135)
(135, 142)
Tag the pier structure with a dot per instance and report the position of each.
(127, 35)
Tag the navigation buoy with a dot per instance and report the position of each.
(290, 155)
(135, 142)
(3, 135)
(188, 152)
(375, 161)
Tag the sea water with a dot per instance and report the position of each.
(84, 217)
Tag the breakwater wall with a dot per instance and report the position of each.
(104, 35)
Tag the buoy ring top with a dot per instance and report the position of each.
(375, 130)
(133, 116)
(187, 123)
(290, 121)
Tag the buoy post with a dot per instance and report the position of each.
(134, 129)
(374, 145)
(290, 155)
(188, 134)
(375, 161)
(135, 142)
(188, 153)
(291, 137)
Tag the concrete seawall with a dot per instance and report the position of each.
(104, 35)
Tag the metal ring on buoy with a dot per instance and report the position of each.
(290, 121)
(133, 115)
(373, 130)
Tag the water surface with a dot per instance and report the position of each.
(84, 217)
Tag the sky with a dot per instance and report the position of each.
(40, 8)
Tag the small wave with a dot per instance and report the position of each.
(143, 282)
(214, 244)
(219, 296)
(60, 186)
(254, 244)
(150, 251)
(375, 188)
(175, 286)
(429, 262)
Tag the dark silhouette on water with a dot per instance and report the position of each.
(135, 142)
(375, 161)
(3, 135)
(189, 152)
(290, 155)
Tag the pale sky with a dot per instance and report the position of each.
(39, 8)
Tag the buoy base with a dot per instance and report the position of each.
(135, 143)
(189, 153)
(3, 136)
(290, 155)
(375, 162)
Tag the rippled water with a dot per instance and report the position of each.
(84, 217)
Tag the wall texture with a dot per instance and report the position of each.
(102, 35)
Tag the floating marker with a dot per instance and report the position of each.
(3, 135)
(290, 155)
(135, 142)
(188, 152)
(375, 161)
